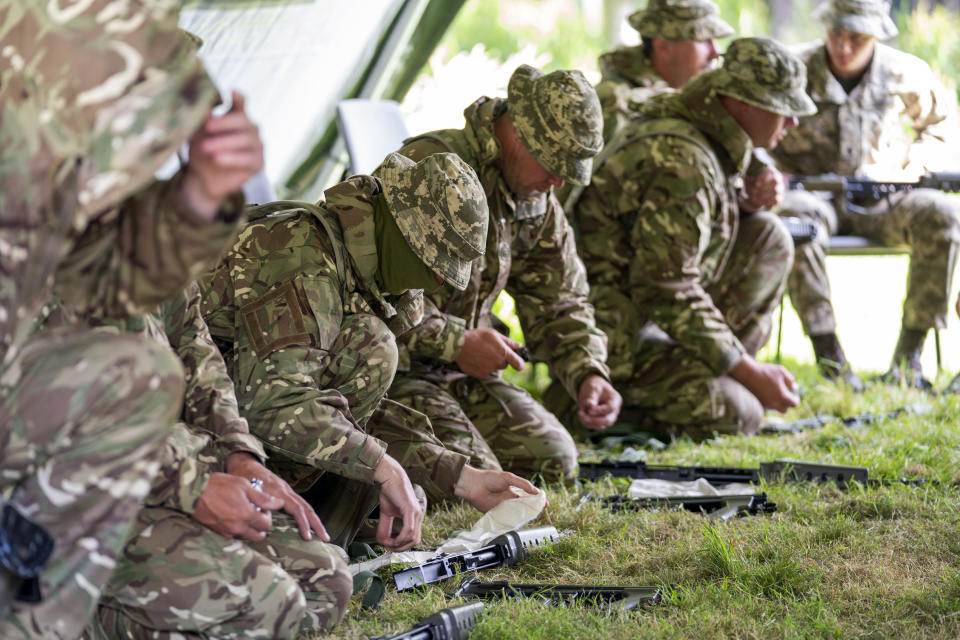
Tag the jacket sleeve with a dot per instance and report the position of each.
(285, 316)
(143, 252)
(549, 285)
(670, 233)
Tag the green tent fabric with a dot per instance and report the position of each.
(294, 60)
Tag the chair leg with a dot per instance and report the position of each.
(936, 343)
(780, 332)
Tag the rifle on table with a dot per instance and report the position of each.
(789, 470)
(858, 190)
(452, 623)
(717, 507)
(562, 594)
(503, 551)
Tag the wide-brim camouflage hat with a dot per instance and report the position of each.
(441, 210)
(680, 20)
(558, 118)
(871, 17)
(763, 73)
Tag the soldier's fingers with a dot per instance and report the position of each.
(523, 484)
(260, 520)
(238, 161)
(238, 102)
(254, 535)
(262, 499)
(233, 140)
(306, 518)
(513, 359)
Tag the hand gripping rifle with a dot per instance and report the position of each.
(503, 551)
(562, 594)
(452, 623)
(863, 191)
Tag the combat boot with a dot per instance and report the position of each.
(833, 363)
(905, 368)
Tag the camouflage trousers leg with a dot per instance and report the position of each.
(928, 221)
(755, 276)
(81, 417)
(496, 424)
(179, 579)
(677, 394)
(808, 285)
(412, 442)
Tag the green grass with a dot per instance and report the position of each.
(880, 562)
(877, 562)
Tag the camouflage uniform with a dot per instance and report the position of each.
(96, 96)
(531, 254)
(173, 578)
(629, 78)
(296, 309)
(898, 116)
(683, 283)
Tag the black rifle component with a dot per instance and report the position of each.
(523, 352)
(25, 548)
(859, 420)
(859, 191)
(452, 623)
(505, 550)
(799, 229)
(790, 470)
(561, 594)
(723, 507)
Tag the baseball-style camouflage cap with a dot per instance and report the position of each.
(680, 20)
(763, 73)
(871, 17)
(558, 118)
(441, 210)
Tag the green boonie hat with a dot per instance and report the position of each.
(763, 73)
(871, 17)
(441, 210)
(558, 118)
(680, 20)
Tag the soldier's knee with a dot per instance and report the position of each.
(936, 218)
(341, 588)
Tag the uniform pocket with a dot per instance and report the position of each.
(326, 306)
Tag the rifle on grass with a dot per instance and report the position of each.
(859, 420)
(452, 623)
(562, 594)
(717, 507)
(776, 471)
(503, 551)
(857, 190)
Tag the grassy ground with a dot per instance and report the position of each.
(874, 561)
(879, 562)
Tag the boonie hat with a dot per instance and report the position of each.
(680, 20)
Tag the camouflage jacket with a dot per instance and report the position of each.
(275, 304)
(210, 426)
(530, 253)
(83, 127)
(897, 122)
(628, 79)
(657, 225)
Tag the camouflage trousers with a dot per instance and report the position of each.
(179, 579)
(493, 423)
(670, 392)
(81, 417)
(926, 220)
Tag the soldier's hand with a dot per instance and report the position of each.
(599, 403)
(246, 466)
(772, 384)
(764, 191)
(224, 153)
(487, 350)
(229, 504)
(486, 488)
(397, 500)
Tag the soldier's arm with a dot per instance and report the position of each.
(671, 231)
(286, 319)
(549, 284)
(144, 251)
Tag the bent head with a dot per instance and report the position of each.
(556, 120)
(762, 85)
